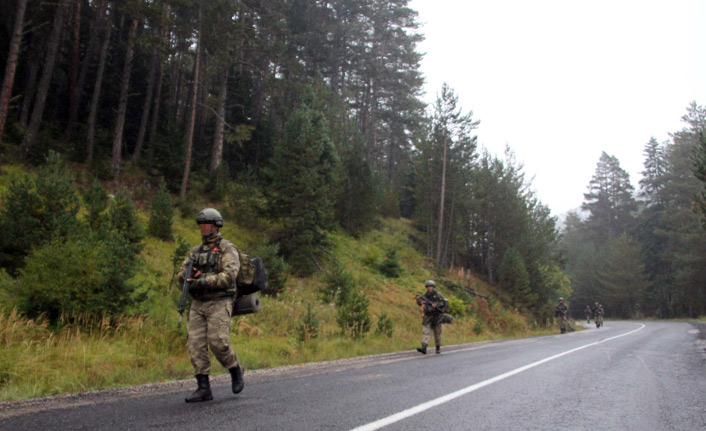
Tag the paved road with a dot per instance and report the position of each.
(623, 376)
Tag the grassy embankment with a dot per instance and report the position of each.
(144, 346)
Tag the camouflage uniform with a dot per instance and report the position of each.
(598, 315)
(562, 312)
(212, 305)
(431, 322)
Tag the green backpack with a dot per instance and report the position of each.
(251, 279)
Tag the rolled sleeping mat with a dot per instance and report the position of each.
(246, 304)
(447, 318)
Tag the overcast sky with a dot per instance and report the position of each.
(561, 81)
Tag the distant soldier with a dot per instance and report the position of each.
(562, 312)
(598, 314)
(212, 287)
(434, 305)
(588, 313)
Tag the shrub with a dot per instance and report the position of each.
(308, 327)
(390, 265)
(457, 306)
(35, 210)
(352, 316)
(161, 214)
(338, 286)
(478, 326)
(372, 257)
(87, 274)
(122, 217)
(96, 202)
(385, 325)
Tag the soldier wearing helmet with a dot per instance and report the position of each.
(433, 303)
(212, 288)
(562, 313)
(598, 314)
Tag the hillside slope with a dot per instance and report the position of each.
(144, 345)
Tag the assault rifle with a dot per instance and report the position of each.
(185, 289)
(445, 318)
(425, 299)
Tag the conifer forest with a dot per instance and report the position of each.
(305, 117)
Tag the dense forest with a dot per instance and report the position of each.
(305, 117)
(643, 253)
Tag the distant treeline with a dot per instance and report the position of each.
(644, 254)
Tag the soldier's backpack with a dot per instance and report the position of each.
(251, 279)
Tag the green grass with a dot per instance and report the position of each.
(145, 346)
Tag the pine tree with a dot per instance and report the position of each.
(514, 279)
(657, 269)
(161, 214)
(303, 178)
(698, 163)
(36, 210)
(609, 200)
(622, 279)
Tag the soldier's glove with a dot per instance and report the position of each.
(197, 287)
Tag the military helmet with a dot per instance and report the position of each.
(561, 298)
(429, 283)
(210, 215)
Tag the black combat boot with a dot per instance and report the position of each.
(236, 377)
(422, 349)
(438, 349)
(203, 393)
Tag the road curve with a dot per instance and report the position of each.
(623, 376)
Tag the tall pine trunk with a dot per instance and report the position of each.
(73, 92)
(157, 105)
(11, 64)
(98, 18)
(192, 113)
(158, 83)
(441, 207)
(217, 152)
(146, 106)
(29, 93)
(122, 102)
(97, 89)
(45, 81)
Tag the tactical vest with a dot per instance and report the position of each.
(208, 261)
(434, 297)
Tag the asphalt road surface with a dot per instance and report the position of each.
(623, 376)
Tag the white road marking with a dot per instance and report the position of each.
(453, 395)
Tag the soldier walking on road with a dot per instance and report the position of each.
(588, 313)
(212, 287)
(562, 312)
(434, 305)
(598, 314)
